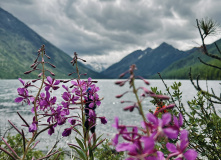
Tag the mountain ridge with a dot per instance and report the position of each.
(18, 42)
(146, 59)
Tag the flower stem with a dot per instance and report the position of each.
(35, 106)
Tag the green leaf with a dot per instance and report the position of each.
(80, 143)
(76, 130)
(80, 153)
(96, 141)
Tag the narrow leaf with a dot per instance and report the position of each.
(80, 143)
(10, 147)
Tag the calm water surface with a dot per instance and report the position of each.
(110, 106)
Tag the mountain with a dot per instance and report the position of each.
(116, 69)
(180, 69)
(18, 49)
(97, 66)
(149, 62)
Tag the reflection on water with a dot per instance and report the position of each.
(110, 107)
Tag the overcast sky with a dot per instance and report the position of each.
(107, 30)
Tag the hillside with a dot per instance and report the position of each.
(148, 62)
(116, 69)
(180, 69)
(18, 50)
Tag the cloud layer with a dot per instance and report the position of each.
(107, 30)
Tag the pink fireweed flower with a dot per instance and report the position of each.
(161, 127)
(52, 83)
(47, 101)
(58, 115)
(121, 129)
(141, 148)
(33, 126)
(69, 98)
(24, 96)
(26, 85)
(95, 100)
(179, 151)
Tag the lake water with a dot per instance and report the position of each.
(110, 106)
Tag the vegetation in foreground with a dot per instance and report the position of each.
(169, 132)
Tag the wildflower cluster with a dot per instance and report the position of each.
(48, 112)
(141, 142)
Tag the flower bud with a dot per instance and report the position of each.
(130, 108)
(40, 74)
(33, 65)
(28, 72)
(122, 74)
(119, 96)
(162, 97)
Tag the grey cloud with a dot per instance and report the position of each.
(105, 27)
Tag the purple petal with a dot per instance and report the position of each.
(19, 99)
(184, 135)
(91, 105)
(180, 119)
(32, 99)
(53, 100)
(20, 91)
(42, 95)
(171, 147)
(66, 88)
(160, 155)
(51, 131)
(98, 103)
(152, 118)
(148, 144)
(47, 95)
(23, 82)
(124, 147)
(57, 82)
(171, 132)
(183, 145)
(166, 118)
(49, 79)
(115, 125)
(47, 88)
(66, 96)
(175, 120)
(191, 154)
(33, 127)
(33, 110)
(115, 139)
(74, 83)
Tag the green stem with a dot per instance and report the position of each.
(139, 104)
(35, 106)
(82, 113)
